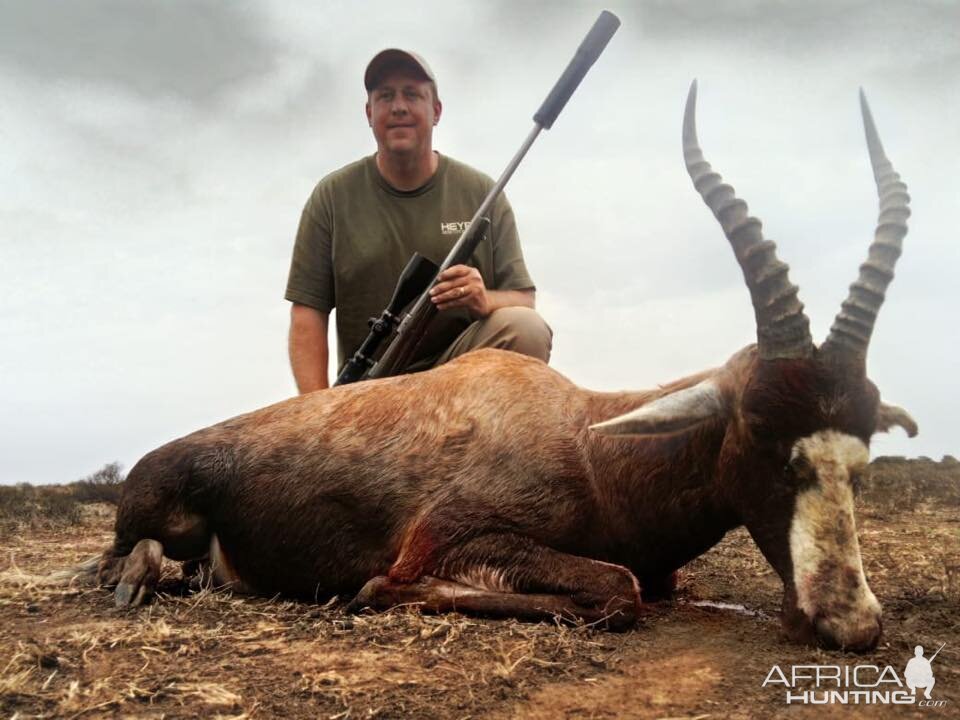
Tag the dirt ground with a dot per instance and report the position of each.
(67, 653)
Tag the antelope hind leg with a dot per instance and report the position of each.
(438, 596)
(135, 575)
(511, 576)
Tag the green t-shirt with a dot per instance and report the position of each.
(357, 233)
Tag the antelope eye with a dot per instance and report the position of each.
(801, 467)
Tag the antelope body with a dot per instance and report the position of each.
(494, 485)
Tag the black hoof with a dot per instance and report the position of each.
(367, 597)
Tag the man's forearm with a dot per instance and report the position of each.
(308, 347)
(511, 298)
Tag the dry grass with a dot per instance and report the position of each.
(216, 653)
(26, 506)
(65, 652)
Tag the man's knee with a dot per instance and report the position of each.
(520, 329)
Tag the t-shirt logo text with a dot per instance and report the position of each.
(454, 228)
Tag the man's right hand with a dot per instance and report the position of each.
(461, 286)
(309, 351)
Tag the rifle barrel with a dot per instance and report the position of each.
(454, 256)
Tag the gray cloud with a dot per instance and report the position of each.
(150, 194)
(807, 27)
(190, 50)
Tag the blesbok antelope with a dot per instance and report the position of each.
(493, 485)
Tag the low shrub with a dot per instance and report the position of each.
(900, 483)
(105, 485)
(25, 504)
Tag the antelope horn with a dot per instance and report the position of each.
(783, 330)
(851, 330)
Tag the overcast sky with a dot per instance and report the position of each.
(157, 154)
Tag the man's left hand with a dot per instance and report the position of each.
(461, 286)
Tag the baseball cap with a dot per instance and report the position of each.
(391, 58)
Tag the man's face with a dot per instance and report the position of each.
(402, 111)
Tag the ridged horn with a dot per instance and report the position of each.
(783, 330)
(850, 333)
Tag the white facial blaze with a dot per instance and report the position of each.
(827, 569)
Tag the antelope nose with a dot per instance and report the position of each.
(855, 635)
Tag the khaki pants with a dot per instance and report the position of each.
(520, 329)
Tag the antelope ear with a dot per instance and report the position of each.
(889, 416)
(673, 412)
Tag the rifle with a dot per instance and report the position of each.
(420, 273)
(936, 653)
